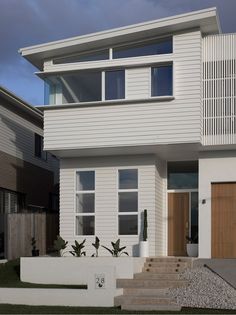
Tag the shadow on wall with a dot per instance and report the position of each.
(17, 174)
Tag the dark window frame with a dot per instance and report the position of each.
(38, 147)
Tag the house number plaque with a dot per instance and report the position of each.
(99, 281)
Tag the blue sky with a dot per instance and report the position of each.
(29, 22)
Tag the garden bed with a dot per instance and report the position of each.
(10, 278)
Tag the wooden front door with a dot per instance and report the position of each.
(223, 220)
(178, 223)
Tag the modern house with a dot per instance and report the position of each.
(28, 174)
(144, 117)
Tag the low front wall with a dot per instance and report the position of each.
(73, 271)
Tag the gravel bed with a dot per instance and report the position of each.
(205, 290)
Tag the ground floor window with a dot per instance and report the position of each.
(85, 203)
(11, 201)
(128, 202)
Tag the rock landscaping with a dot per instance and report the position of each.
(205, 290)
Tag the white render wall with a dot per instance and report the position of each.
(17, 139)
(106, 204)
(218, 166)
(161, 207)
(141, 123)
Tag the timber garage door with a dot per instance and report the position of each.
(223, 233)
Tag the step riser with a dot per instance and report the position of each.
(149, 284)
(143, 301)
(165, 265)
(167, 260)
(163, 270)
(151, 308)
(145, 292)
(147, 275)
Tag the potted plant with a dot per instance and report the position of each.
(35, 251)
(192, 246)
(60, 245)
(143, 246)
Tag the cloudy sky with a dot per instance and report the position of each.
(29, 22)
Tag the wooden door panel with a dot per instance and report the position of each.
(223, 220)
(178, 220)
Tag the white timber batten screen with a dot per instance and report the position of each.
(219, 89)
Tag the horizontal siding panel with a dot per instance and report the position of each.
(17, 139)
(170, 122)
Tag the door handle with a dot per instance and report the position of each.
(187, 225)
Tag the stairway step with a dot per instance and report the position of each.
(138, 300)
(166, 264)
(169, 259)
(145, 291)
(161, 270)
(157, 307)
(157, 276)
(143, 283)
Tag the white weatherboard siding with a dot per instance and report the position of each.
(17, 139)
(219, 87)
(106, 200)
(160, 122)
(213, 167)
(138, 83)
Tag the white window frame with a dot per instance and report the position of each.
(159, 64)
(77, 192)
(127, 190)
(104, 85)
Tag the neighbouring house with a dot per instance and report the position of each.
(144, 117)
(28, 174)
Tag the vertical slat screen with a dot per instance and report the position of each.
(219, 89)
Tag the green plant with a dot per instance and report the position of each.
(116, 250)
(96, 245)
(192, 239)
(60, 245)
(35, 251)
(33, 243)
(145, 225)
(77, 249)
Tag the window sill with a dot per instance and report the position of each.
(110, 102)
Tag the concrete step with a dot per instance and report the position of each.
(161, 270)
(157, 276)
(166, 264)
(157, 307)
(145, 291)
(169, 259)
(146, 300)
(143, 283)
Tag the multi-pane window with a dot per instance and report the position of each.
(85, 203)
(38, 147)
(11, 201)
(162, 80)
(155, 47)
(114, 84)
(92, 56)
(128, 202)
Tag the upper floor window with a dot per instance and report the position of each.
(162, 46)
(115, 84)
(93, 56)
(162, 80)
(38, 147)
(86, 86)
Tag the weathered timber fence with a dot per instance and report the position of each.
(19, 228)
